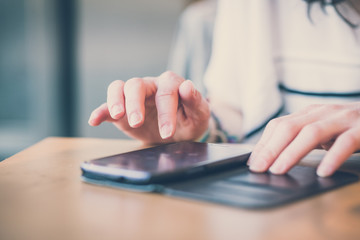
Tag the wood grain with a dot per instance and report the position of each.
(42, 197)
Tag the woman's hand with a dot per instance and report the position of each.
(286, 140)
(155, 109)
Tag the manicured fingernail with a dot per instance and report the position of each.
(116, 110)
(324, 171)
(258, 166)
(135, 119)
(165, 131)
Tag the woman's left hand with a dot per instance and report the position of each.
(286, 140)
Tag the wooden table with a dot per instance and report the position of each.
(42, 197)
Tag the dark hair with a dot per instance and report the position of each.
(338, 5)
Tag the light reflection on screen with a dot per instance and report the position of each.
(168, 157)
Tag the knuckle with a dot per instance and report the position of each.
(288, 126)
(311, 107)
(169, 76)
(333, 107)
(115, 84)
(350, 114)
(351, 139)
(274, 123)
(163, 116)
(312, 131)
(133, 83)
(165, 92)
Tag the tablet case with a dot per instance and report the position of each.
(243, 188)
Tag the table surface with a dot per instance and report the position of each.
(42, 197)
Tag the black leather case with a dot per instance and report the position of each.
(242, 188)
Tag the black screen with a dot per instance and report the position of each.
(166, 158)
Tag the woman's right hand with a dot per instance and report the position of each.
(155, 109)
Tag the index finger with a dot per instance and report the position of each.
(115, 99)
(167, 100)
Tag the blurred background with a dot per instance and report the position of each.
(57, 58)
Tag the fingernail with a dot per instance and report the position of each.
(258, 166)
(324, 171)
(135, 119)
(277, 169)
(116, 110)
(165, 131)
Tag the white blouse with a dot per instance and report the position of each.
(259, 45)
